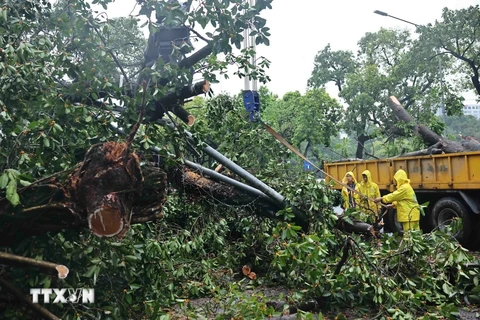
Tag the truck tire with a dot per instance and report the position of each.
(391, 223)
(445, 209)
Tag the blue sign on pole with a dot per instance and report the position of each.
(251, 101)
(307, 166)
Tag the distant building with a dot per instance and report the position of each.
(470, 109)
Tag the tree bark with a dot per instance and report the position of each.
(173, 102)
(361, 145)
(309, 144)
(104, 188)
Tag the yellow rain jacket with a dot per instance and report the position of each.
(349, 198)
(404, 199)
(369, 189)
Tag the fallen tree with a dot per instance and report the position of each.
(109, 188)
(437, 144)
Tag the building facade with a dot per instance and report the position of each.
(472, 110)
(469, 109)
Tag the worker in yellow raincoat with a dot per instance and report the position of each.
(405, 201)
(369, 191)
(348, 195)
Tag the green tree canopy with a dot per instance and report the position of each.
(307, 120)
(457, 35)
(332, 66)
(389, 62)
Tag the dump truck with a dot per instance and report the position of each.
(449, 183)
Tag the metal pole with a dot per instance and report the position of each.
(254, 57)
(275, 196)
(246, 42)
(416, 25)
(220, 177)
(256, 183)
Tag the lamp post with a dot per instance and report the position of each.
(387, 15)
(440, 71)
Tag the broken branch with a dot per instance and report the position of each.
(14, 260)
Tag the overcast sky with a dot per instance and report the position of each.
(301, 28)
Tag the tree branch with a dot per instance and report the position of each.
(26, 299)
(471, 63)
(346, 247)
(14, 260)
(197, 33)
(111, 53)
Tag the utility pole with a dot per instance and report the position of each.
(249, 42)
(251, 97)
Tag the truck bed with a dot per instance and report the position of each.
(453, 171)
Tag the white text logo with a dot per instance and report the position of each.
(63, 295)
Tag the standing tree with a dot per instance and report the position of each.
(388, 62)
(332, 66)
(307, 120)
(457, 35)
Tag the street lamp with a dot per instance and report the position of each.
(440, 72)
(387, 15)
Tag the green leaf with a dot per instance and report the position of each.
(90, 271)
(14, 199)
(46, 142)
(11, 188)
(131, 258)
(47, 282)
(3, 180)
(446, 289)
(134, 286)
(25, 183)
(58, 127)
(95, 274)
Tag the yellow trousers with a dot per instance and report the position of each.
(411, 225)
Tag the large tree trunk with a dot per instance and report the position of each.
(109, 191)
(104, 188)
(361, 145)
(437, 143)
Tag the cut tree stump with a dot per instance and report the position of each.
(104, 188)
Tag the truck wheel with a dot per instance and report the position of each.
(447, 209)
(391, 222)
